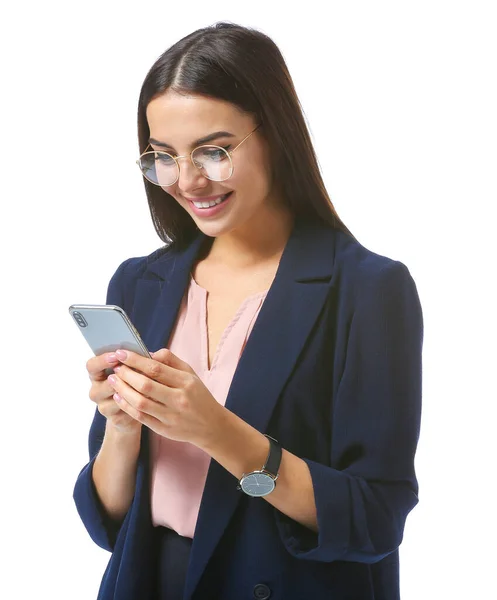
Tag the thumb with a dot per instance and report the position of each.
(166, 357)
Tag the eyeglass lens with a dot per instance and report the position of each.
(161, 168)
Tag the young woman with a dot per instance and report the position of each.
(267, 448)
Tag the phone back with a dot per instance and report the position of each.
(107, 328)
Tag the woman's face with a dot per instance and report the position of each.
(177, 122)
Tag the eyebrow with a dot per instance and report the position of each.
(199, 142)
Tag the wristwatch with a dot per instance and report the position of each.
(263, 482)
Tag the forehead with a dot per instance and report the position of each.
(179, 119)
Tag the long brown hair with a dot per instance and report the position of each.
(242, 66)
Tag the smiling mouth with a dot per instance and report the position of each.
(209, 203)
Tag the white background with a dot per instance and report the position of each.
(401, 101)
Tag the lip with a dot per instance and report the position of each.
(210, 212)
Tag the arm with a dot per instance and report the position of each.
(114, 471)
(242, 449)
(105, 487)
(355, 509)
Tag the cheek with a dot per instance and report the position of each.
(174, 192)
(254, 177)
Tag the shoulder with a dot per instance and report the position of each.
(123, 282)
(135, 267)
(361, 273)
(375, 292)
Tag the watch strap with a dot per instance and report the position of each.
(273, 460)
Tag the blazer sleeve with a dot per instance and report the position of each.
(103, 530)
(364, 497)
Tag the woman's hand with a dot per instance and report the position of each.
(166, 395)
(101, 392)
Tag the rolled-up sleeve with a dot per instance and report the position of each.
(365, 493)
(102, 530)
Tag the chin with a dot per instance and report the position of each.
(212, 229)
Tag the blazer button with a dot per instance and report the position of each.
(262, 592)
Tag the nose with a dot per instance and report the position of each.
(190, 176)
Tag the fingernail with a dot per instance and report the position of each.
(117, 397)
(112, 358)
(117, 369)
(112, 379)
(121, 355)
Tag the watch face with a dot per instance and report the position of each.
(257, 484)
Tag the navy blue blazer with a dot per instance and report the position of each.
(332, 369)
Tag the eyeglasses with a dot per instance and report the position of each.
(162, 168)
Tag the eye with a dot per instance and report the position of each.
(215, 154)
(163, 158)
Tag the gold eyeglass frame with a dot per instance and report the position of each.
(176, 158)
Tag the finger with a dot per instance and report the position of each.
(166, 357)
(100, 390)
(96, 365)
(153, 369)
(133, 402)
(109, 408)
(141, 417)
(144, 385)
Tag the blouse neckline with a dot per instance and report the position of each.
(250, 297)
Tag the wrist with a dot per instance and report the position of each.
(236, 445)
(220, 424)
(122, 437)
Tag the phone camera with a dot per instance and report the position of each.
(80, 320)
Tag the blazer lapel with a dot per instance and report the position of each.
(159, 293)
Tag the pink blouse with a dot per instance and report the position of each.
(179, 469)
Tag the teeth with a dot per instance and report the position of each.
(209, 204)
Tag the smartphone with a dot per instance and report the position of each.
(106, 328)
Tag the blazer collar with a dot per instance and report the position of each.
(303, 253)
